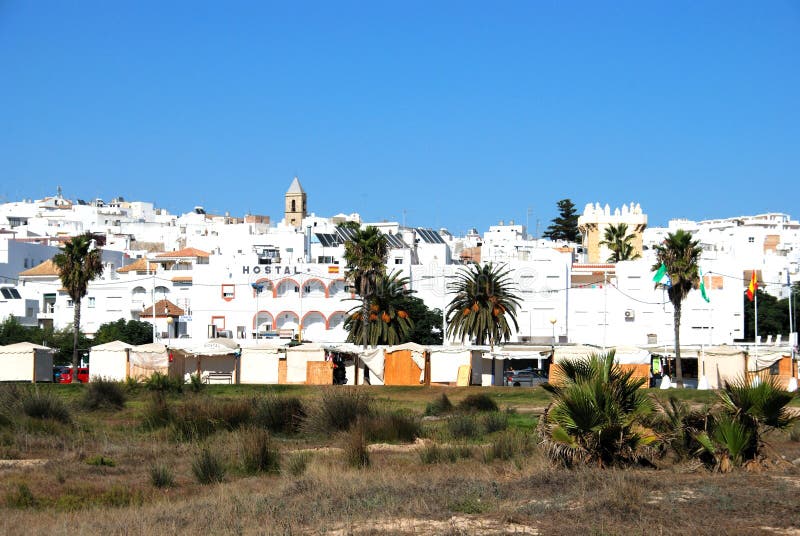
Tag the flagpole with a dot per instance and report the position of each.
(755, 301)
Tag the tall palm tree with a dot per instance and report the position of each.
(366, 253)
(619, 241)
(483, 305)
(387, 321)
(680, 254)
(78, 264)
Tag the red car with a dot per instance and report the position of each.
(83, 375)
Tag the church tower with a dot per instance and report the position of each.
(295, 204)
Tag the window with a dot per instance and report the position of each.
(228, 292)
(91, 302)
(751, 239)
(398, 260)
(241, 332)
(70, 303)
(10, 293)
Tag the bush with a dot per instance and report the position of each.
(100, 461)
(478, 402)
(157, 412)
(355, 445)
(22, 497)
(207, 467)
(256, 452)
(336, 410)
(298, 463)
(439, 406)
(495, 422)
(103, 393)
(433, 453)
(393, 426)
(201, 417)
(196, 383)
(132, 384)
(163, 383)
(279, 414)
(45, 406)
(507, 446)
(463, 426)
(161, 476)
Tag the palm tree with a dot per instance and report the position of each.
(618, 241)
(388, 322)
(598, 415)
(680, 255)
(78, 264)
(366, 253)
(483, 304)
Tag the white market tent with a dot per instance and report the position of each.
(26, 362)
(109, 361)
(259, 364)
(146, 359)
(720, 363)
(297, 360)
(213, 360)
(446, 360)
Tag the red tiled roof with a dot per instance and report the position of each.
(185, 252)
(139, 265)
(164, 308)
(47, 268)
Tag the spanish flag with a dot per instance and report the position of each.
(752, 287)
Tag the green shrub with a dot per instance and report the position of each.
(478, 402)
(279, 414)
(433, 453)
(336, 410)
(22, 497)
(103, 393)
(463, 426)
(256, 452)
(100, 461)
(163, 383)
(157, 412)
(132, 384)
(439, 406)
(196, 383)
(495, 422)
(393, 426)
(207, 467)
(161, 476)
(297, 463)
(355, 445)
(201, 417)
(41, 405)
(507, 446)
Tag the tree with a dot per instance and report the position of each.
(773, 315)
(132, 332)
(565, 226)
(78, 264)
(598, 414)
(618, 241)
(366, 256)
(388, 322)
(11, 331)
(680, 255)
(483, 304)
(427, 329)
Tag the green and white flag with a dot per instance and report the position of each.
(703, 288)
(661, 273)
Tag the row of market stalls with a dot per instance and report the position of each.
(268, 362)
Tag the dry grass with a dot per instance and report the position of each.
(512, 490)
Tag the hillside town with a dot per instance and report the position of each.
(255, 281)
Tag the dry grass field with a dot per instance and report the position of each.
(203, 463)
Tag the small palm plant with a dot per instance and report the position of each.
(618, 242)
(597, 416)
(736, 436)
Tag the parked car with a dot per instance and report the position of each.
(58, 370)
(83, 375)
(528, 376)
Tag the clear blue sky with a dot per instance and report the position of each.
(458, 113)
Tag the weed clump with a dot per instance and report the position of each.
(495, 422)
(163, 383)
(207, 467)
(257, 454)
(297, 463)
(40, 405)
(439, 406)
(355, 445)
(478, 402)
(104, 393)
(161, 476)
(433, 453)
(22, 497)
(463, 427)
(393, 426)
(279, 414)
(335, 411)
(100, 461)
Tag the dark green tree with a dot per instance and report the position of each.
(132, 332)
(565, 226)
(78, 264)
(12, 332)
(773, 316)
(681, 255)
(483, 305)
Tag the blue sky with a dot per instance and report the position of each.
(456, 114)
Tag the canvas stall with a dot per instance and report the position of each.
(720, 363)
(215, 361)
(404, 364)
(632, 358)
(343, 355)
(510, 357)
(109, 361)
(259, 364)
(306, 364)
(26, 362)
(774, 363)
(371, 364)
(147, 359)
(446, 361)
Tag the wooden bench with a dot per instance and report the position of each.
(227, 376)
